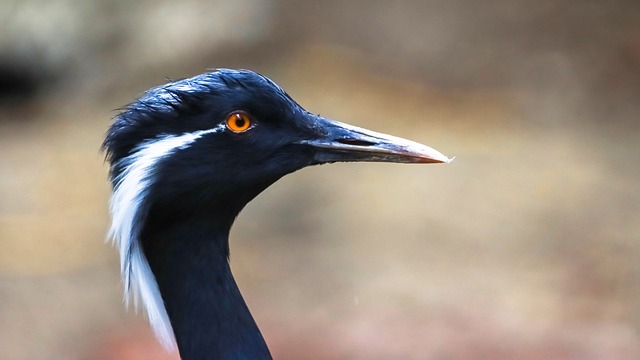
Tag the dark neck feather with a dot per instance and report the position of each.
(208, 314)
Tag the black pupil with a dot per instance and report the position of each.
(240, 121)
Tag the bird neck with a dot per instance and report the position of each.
(209, 317)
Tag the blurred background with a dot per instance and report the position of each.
(527, 246)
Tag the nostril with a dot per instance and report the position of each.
(355, 142)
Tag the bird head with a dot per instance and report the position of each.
(222, 137)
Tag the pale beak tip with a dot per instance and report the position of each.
(434, 156)
(440, 160)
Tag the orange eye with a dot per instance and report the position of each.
(238, 122)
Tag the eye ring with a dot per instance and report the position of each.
(238, 122)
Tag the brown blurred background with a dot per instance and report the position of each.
(527, 246)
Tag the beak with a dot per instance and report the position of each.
(343, 142)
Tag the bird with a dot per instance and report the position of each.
(184, 159)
